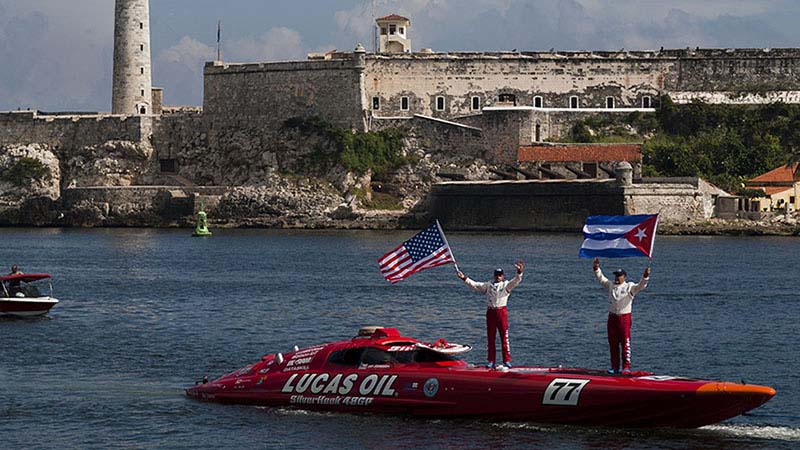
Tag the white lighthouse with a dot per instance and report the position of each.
(133, 85)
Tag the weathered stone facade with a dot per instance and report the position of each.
(237, 95)
(557, 85)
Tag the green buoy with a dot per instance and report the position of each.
(201, 228)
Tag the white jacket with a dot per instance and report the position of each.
(496, 293)
(620, 296)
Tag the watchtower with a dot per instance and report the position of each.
(133, 85)
(394, 34)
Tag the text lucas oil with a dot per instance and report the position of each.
(341, 384)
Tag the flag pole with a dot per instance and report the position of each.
(219, 40)
(439, 226)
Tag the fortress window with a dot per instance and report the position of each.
(508, 98)
(573, 102)
(476, 103)
(646, 102)
(392, 29)
(610, 102)
(402, 30)
(538, 102)
(404, 103)
(142, 110)
(440, 103)
(383, 31)
(142, 92)
(141, 47)
(376, 103)
(142, 70)
(167, 165)
(537, 135)
(141, 25)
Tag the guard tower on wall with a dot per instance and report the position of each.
(133, 85)
(394, 34)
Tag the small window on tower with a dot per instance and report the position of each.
(142, 92)
(376, 103)
(610, 102)
(537, 102)
(383, 31)
(141, 25)
(142, 69)
(402, 30)
(573, 102)
(404, 103)
(646, 102)
(392, 29)
(476, 103)
(440, 103)
(141, 47)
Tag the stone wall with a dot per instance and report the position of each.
(738, 70)
(524, 205)
(31, 127)
(237, 95)
(458, 77)
(676, 200)
(443, 138)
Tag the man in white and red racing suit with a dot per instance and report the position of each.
(497, 292)
(620, 302)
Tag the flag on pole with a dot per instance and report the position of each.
(427, 249)
(619, 236)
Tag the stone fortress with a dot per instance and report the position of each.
(468, 113)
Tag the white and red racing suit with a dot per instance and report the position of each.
(620, 302)
(496, 312)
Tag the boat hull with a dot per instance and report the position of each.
(26, 307)
(543, 395)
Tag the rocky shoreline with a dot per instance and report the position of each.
(107, 186)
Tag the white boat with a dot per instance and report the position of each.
(21, 295)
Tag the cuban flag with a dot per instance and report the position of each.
(619, 236)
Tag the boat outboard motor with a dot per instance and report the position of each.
(295, 348)
(279, 358)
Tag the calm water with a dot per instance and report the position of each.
(144, 313)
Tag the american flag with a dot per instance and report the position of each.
(427, 249)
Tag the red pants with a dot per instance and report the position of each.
(497, 320)
(619, 335)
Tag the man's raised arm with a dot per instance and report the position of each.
(599, 273)
(642, 284)
(480, 287)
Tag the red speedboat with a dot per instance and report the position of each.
(380, 371)
(21, 295)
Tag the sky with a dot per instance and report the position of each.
(56, 55)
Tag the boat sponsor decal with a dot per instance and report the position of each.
(431, 387)
(564, 391)
(341, 384)
(402, 348)
(301, 359)
(661, 378)
(326, 400)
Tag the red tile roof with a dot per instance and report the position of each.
(575, 153)
(772, 190)
(393, 17)
(783, 174)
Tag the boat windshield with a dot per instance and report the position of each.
(21, 290)
(375, 356)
